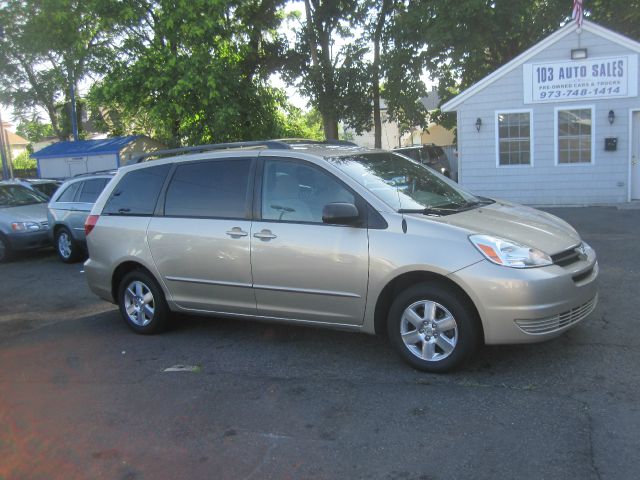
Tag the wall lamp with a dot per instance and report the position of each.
(478, 124)
(578, 54)
(611, 117)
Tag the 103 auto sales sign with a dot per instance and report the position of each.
(594, 78)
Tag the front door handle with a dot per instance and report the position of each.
(237, 232)
(634, 162)
(265, 235)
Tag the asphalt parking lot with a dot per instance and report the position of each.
(83, 397)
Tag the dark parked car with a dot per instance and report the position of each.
(68, 210)
(431, 155)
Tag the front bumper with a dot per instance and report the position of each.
(530, 305)
(29, 240)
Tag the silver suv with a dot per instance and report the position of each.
(68, 210)
(335, 236)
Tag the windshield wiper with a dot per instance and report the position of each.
(429, 211)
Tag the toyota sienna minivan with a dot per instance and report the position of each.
(335, 236)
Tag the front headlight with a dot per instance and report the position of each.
(508, 253)
(25, 226)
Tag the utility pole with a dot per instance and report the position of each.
(3, 153)
(6, 168)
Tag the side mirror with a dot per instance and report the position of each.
(340, 214)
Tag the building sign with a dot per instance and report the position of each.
(580, 80)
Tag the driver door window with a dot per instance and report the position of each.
(293, 192)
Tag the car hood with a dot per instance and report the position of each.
(521, 224)
(36, 212)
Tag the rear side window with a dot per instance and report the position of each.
(215, 188)
(91, 189)
(137, 192)
(69, 194)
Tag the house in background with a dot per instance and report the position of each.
(559, 124)
(391, 137)
(66, 159)
(17, 144)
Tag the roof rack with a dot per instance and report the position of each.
(268, 144)
(307, 141)
(97, 172)
(279, 144)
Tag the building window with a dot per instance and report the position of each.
(514, 138)
(574, 136)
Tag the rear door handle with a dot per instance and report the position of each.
(265, 235)
(237, 232)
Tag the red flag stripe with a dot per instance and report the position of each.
(577, 12)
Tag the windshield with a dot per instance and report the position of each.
(405, 184)
(17, 196)
(46, 189)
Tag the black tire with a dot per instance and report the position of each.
(6, 252)
(460, 341)
(67, 248)
(133, 298)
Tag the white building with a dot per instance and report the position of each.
(559, 124)
(66, 159)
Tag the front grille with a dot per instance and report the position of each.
(567, 257)
(541, 326)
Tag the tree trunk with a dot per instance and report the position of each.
(330, 125)
(377, 36)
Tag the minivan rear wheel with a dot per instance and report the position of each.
(142, 303)
(432, 328)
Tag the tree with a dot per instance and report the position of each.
(622, 16)
(398, 63)
(51, 45)
(347, 58)
(196, 72)
(33, 129)
(335, 78)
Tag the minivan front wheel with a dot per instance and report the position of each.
(142, 303)
(432, 328)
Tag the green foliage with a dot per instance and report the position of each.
(196, 72)
(34, 130)
(50, 45)
(622, 16)
(342, 80)
(24, 162)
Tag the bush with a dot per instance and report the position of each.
(24, 162)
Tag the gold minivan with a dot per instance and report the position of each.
(337, 236)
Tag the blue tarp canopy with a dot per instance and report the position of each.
(85, 147)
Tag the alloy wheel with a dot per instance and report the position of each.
(64, 245)
(139, 303)
(429, 330)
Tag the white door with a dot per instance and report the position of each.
(635, 157)
(77, 165)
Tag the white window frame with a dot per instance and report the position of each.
(531, 144)
(556, 135)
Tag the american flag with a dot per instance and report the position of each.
(577, 12)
